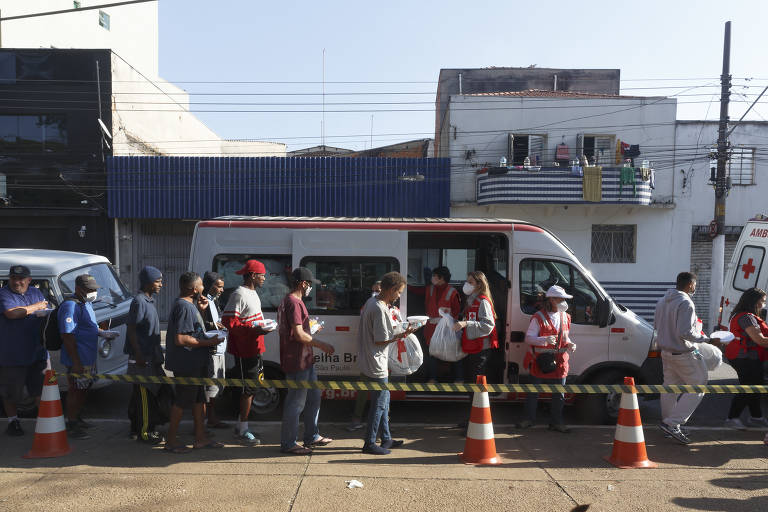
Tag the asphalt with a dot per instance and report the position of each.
(541, 471)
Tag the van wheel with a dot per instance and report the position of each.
(267, 400)
(601, 409)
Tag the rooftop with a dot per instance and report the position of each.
(540, 93)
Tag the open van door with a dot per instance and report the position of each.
(347, 263)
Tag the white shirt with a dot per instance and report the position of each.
(532, 335)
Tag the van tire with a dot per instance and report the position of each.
(268, 400)
(602, 409)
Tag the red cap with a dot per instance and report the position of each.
(252, 267)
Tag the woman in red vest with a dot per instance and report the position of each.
(745, 353)
(441, 296)
(478, 323)
(548, 333)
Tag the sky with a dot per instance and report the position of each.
(393, 52)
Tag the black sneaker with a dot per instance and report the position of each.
(153, 438)
(76, 432)
(675, 433)
(374, 449)
(392, 443)
(84, 424)
(14, 429)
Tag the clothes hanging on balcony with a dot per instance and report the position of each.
(562, 152)
(645, 173)
(627, 177)
(593, 184)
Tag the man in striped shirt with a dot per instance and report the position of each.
(246, 339)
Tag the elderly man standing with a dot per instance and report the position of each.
(22, 357)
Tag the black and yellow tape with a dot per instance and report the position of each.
(434, 388)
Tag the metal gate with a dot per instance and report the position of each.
(164, 244)
(701, 265)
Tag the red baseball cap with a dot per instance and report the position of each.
(252, 267)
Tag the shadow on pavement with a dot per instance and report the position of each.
(751, 481)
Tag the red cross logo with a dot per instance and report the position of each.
(727, 302)
(748, 268)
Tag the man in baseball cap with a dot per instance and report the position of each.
(241, 317)
(87, 283)
(19, 271)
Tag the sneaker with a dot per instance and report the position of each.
(559, 427)
(760, 422)
(524, 424)
(374, 449)
(735, 423)
(355, 425)
(14, 429)
(248, 437)
(675, 433)
(392, 443)
(75, 432)
(152, 438)
(84, 424)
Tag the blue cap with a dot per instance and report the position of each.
(149, 275)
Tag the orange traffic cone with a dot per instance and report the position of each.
(50, 430)
(629, 442)
(480, 447)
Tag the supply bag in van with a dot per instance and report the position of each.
(445, 343)
(405, 356)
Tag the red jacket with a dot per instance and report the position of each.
(475, 345)
(444, 296)
(547, 328)
(742, 343)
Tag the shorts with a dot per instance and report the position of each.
(248, 368)
(217, 370)
(13, 379)
(82, 383)
(189, 395)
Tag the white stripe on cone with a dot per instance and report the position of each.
(481, 400)
(50, 425)
(629, 434)
(50, 394)
(629, 401)
(480, 431)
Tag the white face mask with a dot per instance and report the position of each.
(562, 306)
(308, 291)
(91, 296)
(375, 294)
(468, 289)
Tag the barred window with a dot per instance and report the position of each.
(613, 243)
(741, 166)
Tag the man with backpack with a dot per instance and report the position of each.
(22, 357)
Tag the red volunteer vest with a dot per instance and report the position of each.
(475, 345)
(742, 343)
(433, 302)
(547, 328)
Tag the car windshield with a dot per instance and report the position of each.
(111, 292)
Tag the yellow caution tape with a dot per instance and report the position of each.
(432, 388)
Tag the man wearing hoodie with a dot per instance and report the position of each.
(675, 323)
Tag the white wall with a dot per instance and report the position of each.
(133, 32)
(483, 122)
(166, 128)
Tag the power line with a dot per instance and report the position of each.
(76, 9)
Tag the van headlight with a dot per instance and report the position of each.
(105, 347)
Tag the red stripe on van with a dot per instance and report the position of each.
(401, 226)
(343, 328)
(617, 329)
(528, 227)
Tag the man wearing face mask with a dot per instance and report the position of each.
(441, 297)
(549, 334)
(246, 339)
(79, 336)
(675, 323)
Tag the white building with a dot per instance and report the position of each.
(150, 116)
(634, 239)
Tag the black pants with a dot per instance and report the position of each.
(750, 372)
(477, 364)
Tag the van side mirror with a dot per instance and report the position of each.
(604, 309)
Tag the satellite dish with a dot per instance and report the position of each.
(104, 128)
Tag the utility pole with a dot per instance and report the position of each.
(717, 228)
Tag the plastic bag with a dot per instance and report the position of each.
(445, 343)
(405, 356)
(711, 355)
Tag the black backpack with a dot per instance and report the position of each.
(50, 336)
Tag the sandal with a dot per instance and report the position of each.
(297, 450)
(180, 448)
(209, 444)
(320, 441)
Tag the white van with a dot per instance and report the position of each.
(54, 273)
(748, 267)
(348, 255)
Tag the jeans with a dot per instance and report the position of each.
(750, 372)
(378, 415)
(296, 401)
(556, 408)
(685, 368)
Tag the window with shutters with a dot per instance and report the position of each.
(599, 147)
(613, 243)
(526, 145)
(104, 19)
(741, 166)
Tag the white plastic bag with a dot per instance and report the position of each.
(711, 355)
(445, 343)
(405, 356)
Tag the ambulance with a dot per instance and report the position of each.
(748, 267)
(347, 255)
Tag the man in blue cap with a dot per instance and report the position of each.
(22, 357)
(145, 355)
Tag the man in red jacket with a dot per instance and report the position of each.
(241, 317)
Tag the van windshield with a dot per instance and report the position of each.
(112, 291)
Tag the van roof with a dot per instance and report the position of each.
(46, 262)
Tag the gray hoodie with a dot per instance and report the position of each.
(675, 322)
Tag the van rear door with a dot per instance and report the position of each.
(346, 262)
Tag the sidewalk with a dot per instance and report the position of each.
(542, 471)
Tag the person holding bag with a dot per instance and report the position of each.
(547, 359)
(745, 353)
(478, 324)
